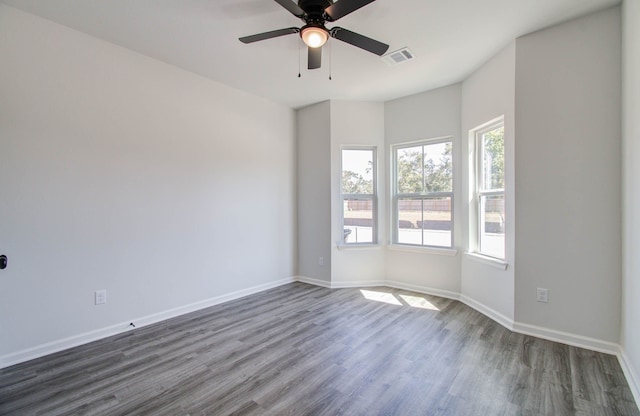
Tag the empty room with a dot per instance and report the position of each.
(317, 207)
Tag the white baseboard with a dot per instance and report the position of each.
(525, 329)
(61, 344)
(358, 283)
(567, 338)
(488, 312)
(541, 332)
(423, 289)
(632, 377)
(378, 283)
(312, 281)
(84, 338)
(341, 285)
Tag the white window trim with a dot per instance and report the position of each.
(358, 246)
(395, 245)
(489, 261)
(374, 197)
(475, 223)
(411, 248)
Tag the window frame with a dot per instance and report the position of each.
(361, 197)
(479, 192)
(421, 196)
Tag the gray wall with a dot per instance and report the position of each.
(122, 173)
(323, 129)
(422, 116)
(568, 191)
(356, 124)
(489, 93)
(314, 191)
(630, 338)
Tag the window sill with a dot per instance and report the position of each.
(424, 250)
(342, 246)
(489, 261)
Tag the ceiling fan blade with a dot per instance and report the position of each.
(343, 8)
(269, 35)
(314, 58)
(293, 8)
(358, 40)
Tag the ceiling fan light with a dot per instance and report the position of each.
(314, 37)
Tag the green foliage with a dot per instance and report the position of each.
(437, 175)
(409, 167)
(441, 173)
(354, 183)
(494, 159)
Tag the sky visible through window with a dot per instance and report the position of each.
(358, 162)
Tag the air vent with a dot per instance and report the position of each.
(398, 57)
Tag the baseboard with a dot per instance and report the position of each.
(423, 289)
(488, 312)
(536, 331)
(377, 283)
(312, 281)
(567, 338)
(525, 329)
(357, 283)
(60, 345)
(541, 332)
(84, 338)
(341, 285)
(633, 379)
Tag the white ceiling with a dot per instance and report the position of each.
(450, 39)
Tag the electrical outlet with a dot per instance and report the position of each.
(321, 261)
(542, 295)
(101, 296)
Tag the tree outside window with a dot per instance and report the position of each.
(423, 197)
(489, 195)
(359, 200)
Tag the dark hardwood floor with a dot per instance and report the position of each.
(305, 350)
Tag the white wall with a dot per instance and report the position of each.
(630, 337)
(356, 124)
(487, 94)
(423, 116)
(568, 192)
(314, 191)
(119, 172)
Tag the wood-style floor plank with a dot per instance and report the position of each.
(305, 350)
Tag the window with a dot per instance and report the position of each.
(489, 191)
(423, 194)
(359, 201)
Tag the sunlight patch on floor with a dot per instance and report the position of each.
(380, 297)
(419, 302)
(390, 298)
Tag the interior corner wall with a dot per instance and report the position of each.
(630, 336)
(120, 172)
(568, 193)
(356, 123)
(427, 115)
(314, 191)
(487, 94)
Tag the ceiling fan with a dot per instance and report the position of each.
(315, 13)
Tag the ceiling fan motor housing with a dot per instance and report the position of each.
(314, 10)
